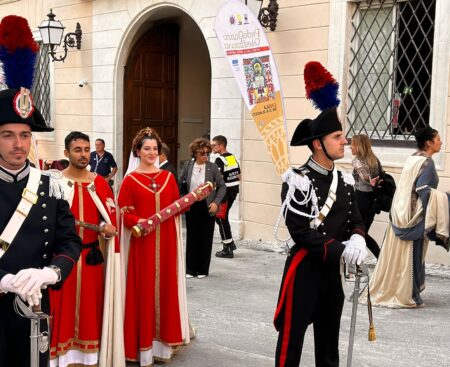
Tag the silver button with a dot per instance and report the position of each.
(319, 197)
(44, 218)
(324, 233)
(44, 205)
(349, 212)
(350, 203)
(348, 193)
(348, 221)
(46, 243)
(46, 230)
(40, 182)
(44, 256)
(42, 193)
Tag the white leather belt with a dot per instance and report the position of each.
(29, 198)
(315, 223)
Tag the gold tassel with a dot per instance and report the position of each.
(372, 335)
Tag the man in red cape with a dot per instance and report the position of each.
(77, 308)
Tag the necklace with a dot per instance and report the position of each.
(152, 185)
(199, 167)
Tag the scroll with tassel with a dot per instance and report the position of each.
(173, 209)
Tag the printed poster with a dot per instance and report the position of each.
(248, 52)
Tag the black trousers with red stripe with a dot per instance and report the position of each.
(224, 223)
(315, 297)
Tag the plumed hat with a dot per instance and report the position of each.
(18, 53)
(321, 89)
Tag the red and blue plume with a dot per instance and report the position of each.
(18, 52)
(321, 88)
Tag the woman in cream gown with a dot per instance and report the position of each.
(419, 213)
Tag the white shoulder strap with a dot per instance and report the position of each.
(29, 198)
(328, 203)
(98, 203)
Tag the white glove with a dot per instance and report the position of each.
(28, 283)
(6, 284)
(355, 250)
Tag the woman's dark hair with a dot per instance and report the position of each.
(199, 144)
(424, 135)
(143, 135)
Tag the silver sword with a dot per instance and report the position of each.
(38, 340)
(351, 340)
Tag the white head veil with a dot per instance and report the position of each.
(133, 163)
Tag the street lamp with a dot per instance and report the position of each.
(52, 32)
(267, 16)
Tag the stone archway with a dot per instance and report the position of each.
(193, 99)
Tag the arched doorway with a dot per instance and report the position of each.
(151, 88)
(166, 83)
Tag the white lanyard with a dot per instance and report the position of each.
(98, 161)
(315, 223)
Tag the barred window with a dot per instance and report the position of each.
(390, 68)
(41, 84)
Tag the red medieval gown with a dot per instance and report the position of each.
(153, 320)
(77, 307)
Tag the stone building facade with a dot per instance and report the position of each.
(124, 41)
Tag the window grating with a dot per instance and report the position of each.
(41, 84)
(391, 52)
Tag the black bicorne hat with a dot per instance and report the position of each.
(322, 90)
(308, 130)
(18, 52)
(10, 111)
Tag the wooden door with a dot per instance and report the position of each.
(151, 88)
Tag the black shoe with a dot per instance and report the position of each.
(226, 252)
(233, 246)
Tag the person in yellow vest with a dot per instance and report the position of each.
(230, 170)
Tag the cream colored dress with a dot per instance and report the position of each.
(417, 208)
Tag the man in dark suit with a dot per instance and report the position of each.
(39, 245)
(164, 161)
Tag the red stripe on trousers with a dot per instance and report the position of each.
(287, 325)
(289, 279)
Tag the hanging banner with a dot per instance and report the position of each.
(244, 41)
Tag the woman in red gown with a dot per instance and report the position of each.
(155, 304)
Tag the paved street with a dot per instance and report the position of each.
(232, 311)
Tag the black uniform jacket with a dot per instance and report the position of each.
(47, 236)
(342, 221)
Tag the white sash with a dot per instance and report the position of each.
(315, 223)
(29, 198)
(112, 350)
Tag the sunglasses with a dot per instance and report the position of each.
(204, 152)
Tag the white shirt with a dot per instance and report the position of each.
(198, 176)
